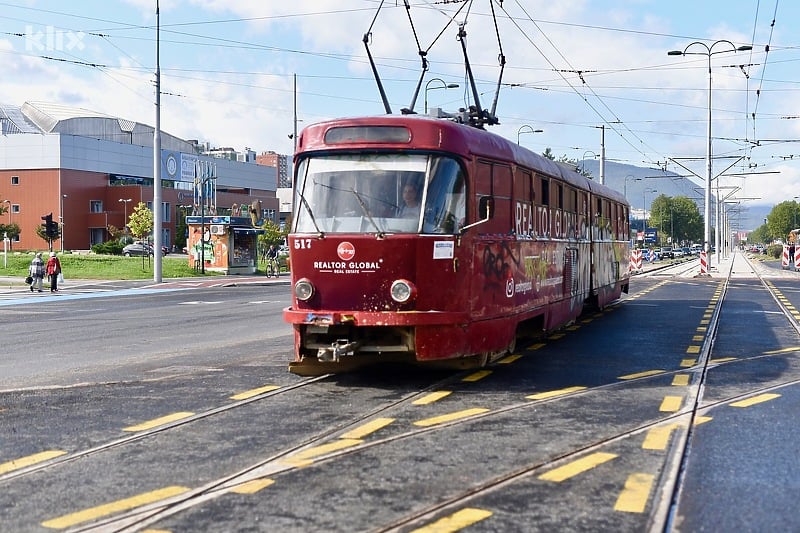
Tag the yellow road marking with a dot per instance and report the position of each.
(642, 374)
(686, 363)
(577, 467)
(693, 349)
(657, 438)
(432, 397)
(251, 487)
(555, 336)
(29, 460)
(509, 359)
(477, 376)
(722, 360)
(554, 393)
(701, 329)
(158, 421)
(680, 380)
(702, 420)
(449, 417)
(573, 328)
(254, 392)
(698, 338)
(114, 507)
(755, 400)
(705, 322)
(536, 346)
(370, 427)
(456, 521)
(783, 350)
(670, 404)
(633, 498)
(306, 457)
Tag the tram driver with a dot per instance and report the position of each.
(410, 207)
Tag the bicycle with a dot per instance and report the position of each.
(272, 268)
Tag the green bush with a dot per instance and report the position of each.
(775, 250)
(108, 248)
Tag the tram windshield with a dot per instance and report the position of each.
(380, 193)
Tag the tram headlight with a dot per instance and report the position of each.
(403, 291)
(303, 290)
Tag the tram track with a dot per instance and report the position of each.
(277, 465)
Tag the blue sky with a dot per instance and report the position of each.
(571, 66)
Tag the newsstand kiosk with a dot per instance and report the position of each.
(225, 244)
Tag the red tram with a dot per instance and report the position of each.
(426, 240)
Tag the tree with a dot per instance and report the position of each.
(548, 154)
(677, 217)
(41, 232)
(782, 219)
(12, 230)
(140, 224)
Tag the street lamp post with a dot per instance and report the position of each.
(125, 203)
(61, 217)
(529, 130)
(709, 51)
(583, 160)
(5, 237)
(625, 185)
(210, 173)
(443, 86)
(644, 210)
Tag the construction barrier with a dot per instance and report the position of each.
(704, 263)
(636, 261)
(789, 261)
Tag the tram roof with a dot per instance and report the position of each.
(427, 133)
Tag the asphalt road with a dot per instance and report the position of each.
(593, 428)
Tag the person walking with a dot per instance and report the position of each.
(272, 261)
(53, 269)
(36, 272)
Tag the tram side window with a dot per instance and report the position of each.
(545, 191)
(445, 204)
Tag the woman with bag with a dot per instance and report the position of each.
(36, 272)
(53, 269)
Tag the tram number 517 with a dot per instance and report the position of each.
(302, 244)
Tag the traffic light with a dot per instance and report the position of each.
(50, 226)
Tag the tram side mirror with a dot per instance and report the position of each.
(485, 211)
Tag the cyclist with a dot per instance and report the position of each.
(272, 261)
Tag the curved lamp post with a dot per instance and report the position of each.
(708, 51)
(443, 86)
(528, 130)
(583, 160)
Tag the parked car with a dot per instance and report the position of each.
(138, 249)
(666, 253)
(677, 252)
(687, 251)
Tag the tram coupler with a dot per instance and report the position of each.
(336, 350)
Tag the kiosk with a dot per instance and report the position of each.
(226, 244)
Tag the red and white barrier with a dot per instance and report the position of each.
(796, 261)
(636, 261)
(704, 263)
(785, 257)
